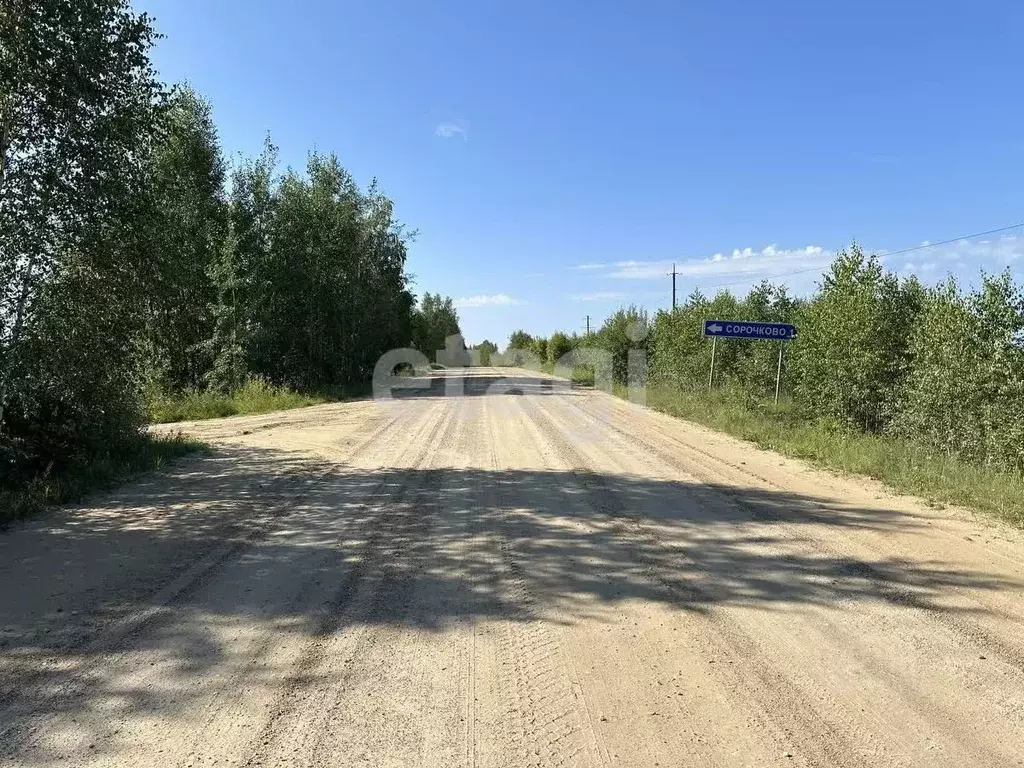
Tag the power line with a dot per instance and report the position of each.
(884, 255)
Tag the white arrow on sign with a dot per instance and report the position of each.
(715, 328)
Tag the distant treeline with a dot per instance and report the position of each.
(133, 261)
(939, 366)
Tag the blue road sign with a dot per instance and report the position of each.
(741, 329)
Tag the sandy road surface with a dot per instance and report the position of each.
(518, 576)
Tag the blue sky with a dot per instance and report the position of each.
(558, 156)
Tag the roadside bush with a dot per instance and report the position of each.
(678, 348)
(852, 356)
(78, 110)
(77, 389)
(520, 352)
(681, 355)
(965, 392)
(559, 345)
(487, 350)
(540, 348)
(625, 331)
(921, 387)
(756, 365)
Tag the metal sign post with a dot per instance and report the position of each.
(711, 375)
(744, 329)
(778, 374)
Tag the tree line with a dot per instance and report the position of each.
(938, 365)
(133, 260)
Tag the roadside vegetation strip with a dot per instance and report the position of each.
(219, 273)
(919, 386)
(254, 397)
(904, 466)
(100, 472)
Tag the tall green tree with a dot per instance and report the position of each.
(520, 339)
(486, 349)
(965, 391)
(243, 321)
(188, 235)
(852, 356)
(520, 350)
(559, 345)
(434, 320)
(227, 348)
(625, 331)
(311, 285)
(78, 105)
(540, 348)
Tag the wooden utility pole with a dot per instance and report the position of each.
(673, 286)
(588, 325)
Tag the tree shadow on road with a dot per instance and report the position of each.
(170, 566)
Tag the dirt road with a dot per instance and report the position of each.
(517, 575)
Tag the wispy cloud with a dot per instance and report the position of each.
(741, 264)
(598, 296)
(451, 130)
(801, 268)
(589, 267)
(496, 300)
(987, 254)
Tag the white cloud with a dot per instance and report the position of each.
(497, 300)
(451, 130)
(589, 267)
(801, 268)
(598, 296)
(739, 265)
(978, 254)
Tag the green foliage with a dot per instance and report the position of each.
(486, 349)
(187, 232)
(852, 358)
(99, 471)
(433, 321)
(520, 351)
(242, 323)
(623, 334)
(255, 396)
(320, 275)
(520, 339)
(886, 377)
(755, 364)
(965, 393)
(540, 348)
(79, 108)
(681, 356)
(559, 345)
(903, 464)
(127, 268)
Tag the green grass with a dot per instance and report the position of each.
(903, 466)
(257, 396)
(582, 375)
(98, 473)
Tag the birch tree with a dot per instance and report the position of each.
(78, 101)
